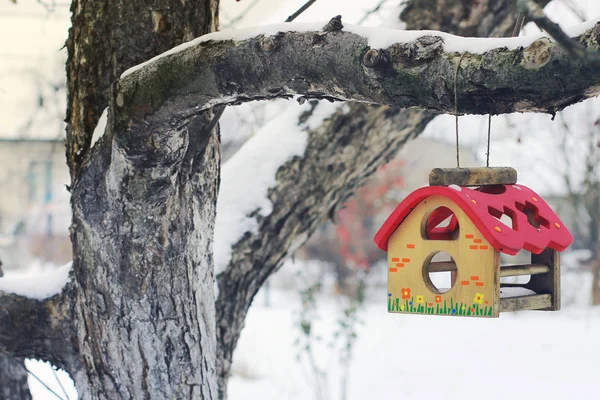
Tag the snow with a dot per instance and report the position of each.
(100, 127)
(40, 281)
(383, 38)
(376, 37)
(43, 371)
(519, 356)
(507, 292)
(248, 175)
(415, 356)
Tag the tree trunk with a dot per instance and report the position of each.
(14, 379)
(143, 215)
(138, 319)
(144, 307)
(108, 37)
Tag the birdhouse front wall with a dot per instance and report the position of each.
(475, 289)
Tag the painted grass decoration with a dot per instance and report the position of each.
(457, 309)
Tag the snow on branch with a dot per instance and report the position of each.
(535, 13)
(36, 283)
(249, 175)
(399, 68)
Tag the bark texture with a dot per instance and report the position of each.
(144, 306)
(340, 65)
(143, 215)
(106, 38)
(36, 329)
(14, 379)
(340, 156)
(138, 319)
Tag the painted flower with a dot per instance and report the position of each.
(478, 298)
(472, 310)
(438, 299)
(405, 293)
(430, 304)
(463, 307)
(389, 295)
(402, 307)
(420, 299)
(454, 311)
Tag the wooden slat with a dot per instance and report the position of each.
(507, 285)
(533, 302)
(442, 266)
(526, 269)
(547, 283)
(480, 176)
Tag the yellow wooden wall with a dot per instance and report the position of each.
(476, 291)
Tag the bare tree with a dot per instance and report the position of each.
(580, 155)
(140, 317)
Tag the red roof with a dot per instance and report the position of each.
(484, 206)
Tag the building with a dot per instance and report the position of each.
(34, 202)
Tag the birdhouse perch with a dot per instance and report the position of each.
(472, 226)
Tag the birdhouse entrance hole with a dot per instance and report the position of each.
(441, 224)
(439, 272)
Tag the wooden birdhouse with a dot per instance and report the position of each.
(472, 226)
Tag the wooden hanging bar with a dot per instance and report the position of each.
(442, 266)
(479, 176)
(531, 302)
(526, 269)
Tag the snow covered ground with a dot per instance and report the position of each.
(526, 355)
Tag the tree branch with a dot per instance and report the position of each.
(340, 65)
(35, 329)
(535, 13)
(339, 157)
(310, 189)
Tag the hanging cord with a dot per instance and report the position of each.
(487, 155)
(516, 32)
(456, 108)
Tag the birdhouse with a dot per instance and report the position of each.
(472, 227)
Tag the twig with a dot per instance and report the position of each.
(300, 10)
(373, 11)
(535, 13)
(59, 383)
(487, 155)
(518, 25)
(42, 383)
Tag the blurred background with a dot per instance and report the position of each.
(319, 328)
